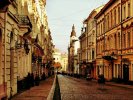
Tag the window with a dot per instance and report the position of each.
(115, 71)
(92, 53)
(124, 12)
(128, 39)
(111, 20)
(108, 23)
(115, 17)
(124, 40)
(119, 41)
(129, 10)
(118, 14)
(115, 41)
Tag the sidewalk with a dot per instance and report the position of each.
(117, 84)
(112, 83)
(40, 92)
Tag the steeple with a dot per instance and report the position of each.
(73, 33)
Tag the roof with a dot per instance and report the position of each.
(107, 5)
(73, 33)
(93, 12)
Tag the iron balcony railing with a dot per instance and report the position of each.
(24, 20)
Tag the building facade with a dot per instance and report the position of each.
(24, 32)
(64, 62)
(88, 44)
(114, 45)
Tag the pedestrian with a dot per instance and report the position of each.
(43, 76)
(32, 79)
(37, 80)
(101, 81)
(28, 81)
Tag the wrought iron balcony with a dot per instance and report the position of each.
(110, 54)
(24, 20)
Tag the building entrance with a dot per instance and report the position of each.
(125, 72)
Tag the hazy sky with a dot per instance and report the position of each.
(62, 14)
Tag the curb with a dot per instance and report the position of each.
(51, 93)
(127, 86)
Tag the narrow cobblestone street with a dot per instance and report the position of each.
(40, 92)
(77, 89)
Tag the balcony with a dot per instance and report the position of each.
(24, 22)
(110, 54)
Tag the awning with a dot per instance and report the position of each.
(109, 57)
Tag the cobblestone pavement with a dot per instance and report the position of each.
(40, 92)
(77, 89)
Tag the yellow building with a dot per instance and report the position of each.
(64, 62)
(24, 32)
(88, 44)
(114, 45)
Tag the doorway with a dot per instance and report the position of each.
(125, 72)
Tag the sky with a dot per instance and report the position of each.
(62, 14)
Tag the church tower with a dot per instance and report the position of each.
(73, 34)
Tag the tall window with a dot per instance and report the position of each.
(115, 41)
(93, 54)
(115, 17)
(128, 9)
(124, 12)
(111, 19)
(101, 28)
(129, 38)
(108, 22)
(119, 40)
(118, 14)
(124, 40)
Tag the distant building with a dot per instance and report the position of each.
(57, 55)
(64, 62)
(88, 44)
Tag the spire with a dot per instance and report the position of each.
(73, 33)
